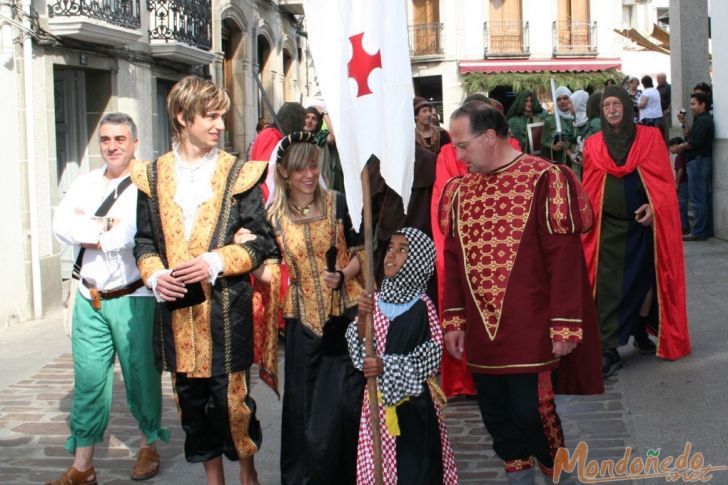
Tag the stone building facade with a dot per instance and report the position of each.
(64, 63)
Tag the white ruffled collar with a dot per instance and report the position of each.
(194, 184)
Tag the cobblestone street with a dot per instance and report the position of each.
(650, 404)
(33, 431)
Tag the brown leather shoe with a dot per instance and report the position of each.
(75, 477)
(146, 465)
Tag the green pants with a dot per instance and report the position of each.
(123, 327)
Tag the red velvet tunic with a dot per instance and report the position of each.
(517, 278)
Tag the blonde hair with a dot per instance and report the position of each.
(295, 159)
(192, 96)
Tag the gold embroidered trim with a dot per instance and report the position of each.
(460, 309)
(565, 333)
(572, 320)
(239, 414)
(149, 264)
(250, 174)
(559, 218)
(445, 207)
(453, 323)
(513, 366)
(518, 465)
(138, 173)
(493, 213)
(227, 330)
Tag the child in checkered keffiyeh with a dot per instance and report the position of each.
(408, 343)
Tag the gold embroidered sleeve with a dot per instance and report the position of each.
(567, 207)
(266, 303)
(236, 259)
(445, 212)
(453, 319)
(139, 176)
(149, 264)
(559, 219)
(566, 330)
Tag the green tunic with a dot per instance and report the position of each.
(547, 138)
(518, 125)
(593, 127)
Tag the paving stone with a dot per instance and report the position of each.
(19, 441)
(650, 404)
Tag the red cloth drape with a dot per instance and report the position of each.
(456, 379)
(262, 149)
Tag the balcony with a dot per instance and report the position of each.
(507, 38)
(108, 22)
(294, 7)
(574, 38)
(425, 41)
(180, 30)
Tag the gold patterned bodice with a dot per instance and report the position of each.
(304, 244)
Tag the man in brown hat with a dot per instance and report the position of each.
(427, 135)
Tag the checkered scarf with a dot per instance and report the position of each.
(411, 279)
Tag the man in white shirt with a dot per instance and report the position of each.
(650, 104)
(114, 311)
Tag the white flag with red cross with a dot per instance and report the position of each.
(360, 52)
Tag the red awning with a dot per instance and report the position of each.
(540, 65)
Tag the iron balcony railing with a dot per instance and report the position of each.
(188, 21)
(571, 37)
(123, 13)
(425, 39)
(506, 38)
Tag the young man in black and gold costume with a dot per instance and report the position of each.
(191, 202)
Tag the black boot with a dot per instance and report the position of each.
(611, 362)
(522, 477)
(642, 341)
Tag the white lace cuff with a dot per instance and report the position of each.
(214, 261)
(152, 283)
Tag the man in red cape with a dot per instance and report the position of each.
(455, 378)
(628, 177)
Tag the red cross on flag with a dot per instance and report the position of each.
(360, 52)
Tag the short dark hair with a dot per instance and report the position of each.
(703, 87)
(647, 81)
(675, 141)
(482, 117)
(701, 98)
(120, 119)
(485, 99)
(477, 97)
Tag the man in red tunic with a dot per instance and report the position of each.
(455, 377)
(517, 296)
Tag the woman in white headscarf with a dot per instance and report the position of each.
(555, 144)
(581, 125)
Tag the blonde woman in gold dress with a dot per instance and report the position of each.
(322, 391)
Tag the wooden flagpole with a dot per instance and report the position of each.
(369, 332)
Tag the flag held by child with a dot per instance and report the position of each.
(361, 54)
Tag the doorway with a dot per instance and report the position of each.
(430, 88)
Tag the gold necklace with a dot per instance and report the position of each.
(305, 210)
